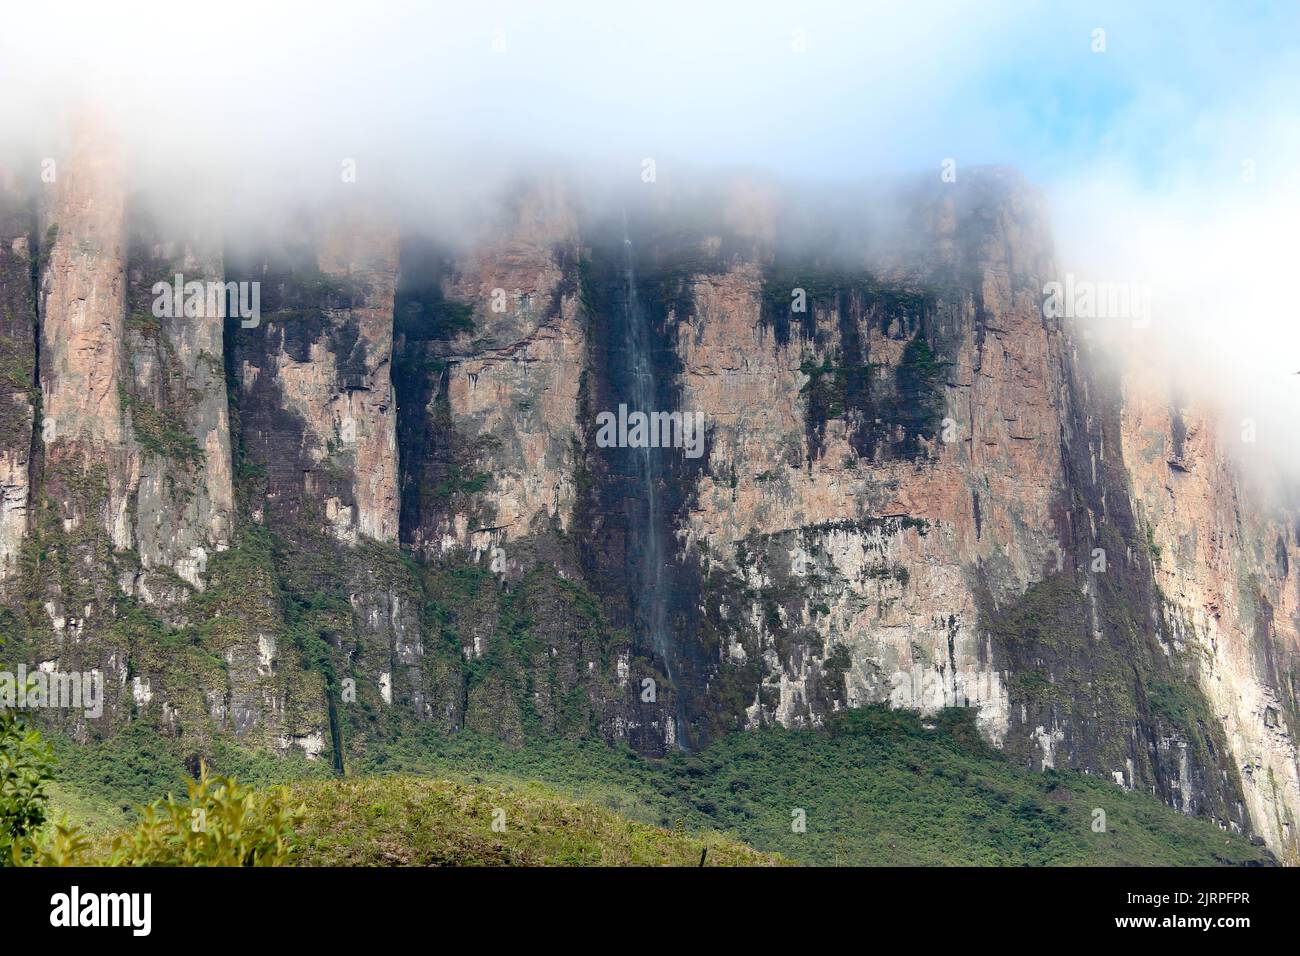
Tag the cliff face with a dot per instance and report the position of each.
(316, 397)
(502, 328)
(87, 465)
(17, 367)
(175, 398)
(318, 450)
(1223, 561)
(877, 465)
(390, 502)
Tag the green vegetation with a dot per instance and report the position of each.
(458, 483)
(378, 821)
(17, 379)
(436, 319)
(95, 816)
(826, 390)
(220, 823)
(421, 312)
(878, 787)
(412, 821)
(308, 293)
(888, 572)
(918, 400)
(138, 765)
(886, 407)
(1176, 702)
(1085, 654)
(160, 430)
(829, 289)
(1153, 549)
(25, 773)
(43, 255)
(315, 286)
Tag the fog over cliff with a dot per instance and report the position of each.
(870, 253)
(1173, 164)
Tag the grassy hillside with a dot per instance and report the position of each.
(877, 787)
(414, 821)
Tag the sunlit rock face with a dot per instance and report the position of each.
(85, 465)
(500, 335)
(916, 490)
(175, 395)
(131, 500)
(362, 413)
(1224, 559)
(387, 502)
(887, 456)
(316, 394)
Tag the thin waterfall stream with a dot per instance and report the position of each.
(653, 574)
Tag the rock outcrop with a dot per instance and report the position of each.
(507, 349)
(912, 485)
(316, 395)
(18, 250)
(1223, 550)
(175, 399)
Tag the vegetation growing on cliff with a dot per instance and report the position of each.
(886, 406)
(877, 787)
(829, 289)
(160, 429)
(1081, 658)
(17, 380)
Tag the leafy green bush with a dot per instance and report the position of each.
(25, 769)
(221, 823)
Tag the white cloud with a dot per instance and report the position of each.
(1140, 147)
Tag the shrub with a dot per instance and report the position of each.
(25, 769)
(221, 823)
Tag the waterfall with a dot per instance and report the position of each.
(653, 575)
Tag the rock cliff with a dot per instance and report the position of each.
(388, 503)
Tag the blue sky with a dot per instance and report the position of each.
(1182, 88)
(1177, 85)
